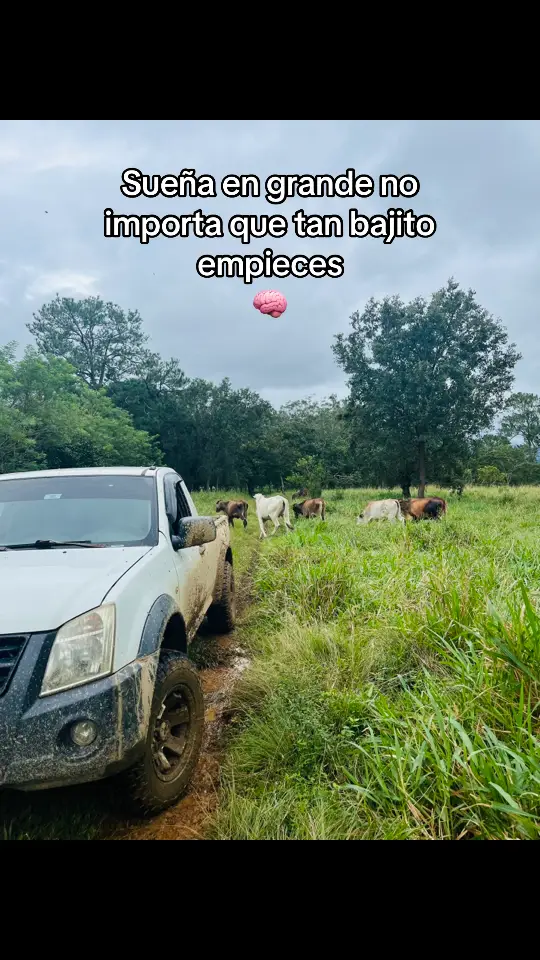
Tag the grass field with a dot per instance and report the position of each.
(394, 687)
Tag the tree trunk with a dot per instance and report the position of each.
(422, 467)
(406, 490)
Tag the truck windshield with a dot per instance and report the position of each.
(109, 510)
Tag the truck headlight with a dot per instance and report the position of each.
(82, 651)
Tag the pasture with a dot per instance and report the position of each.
(394, 685)
(396, 678)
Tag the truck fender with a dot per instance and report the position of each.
(161, 613)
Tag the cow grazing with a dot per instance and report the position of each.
(271, 508)
(381, 510)
(310, 508)
(301, 494)
(233, 510)
(423, 508)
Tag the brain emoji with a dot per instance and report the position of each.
(270, 301)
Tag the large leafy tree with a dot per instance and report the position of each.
(103, 342)
(425, 377)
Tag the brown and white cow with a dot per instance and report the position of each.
(234, 510)
(423, 508)
(310, 508)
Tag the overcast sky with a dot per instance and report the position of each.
(479, 179)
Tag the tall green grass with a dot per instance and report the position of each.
(395, 687)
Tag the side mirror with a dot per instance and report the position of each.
(194, 532)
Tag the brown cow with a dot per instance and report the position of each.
(423, 508)
(310, 508)
(234, 510)
(302, 494)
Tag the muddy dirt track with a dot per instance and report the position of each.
(187, 820)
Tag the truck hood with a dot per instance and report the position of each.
(42, 589)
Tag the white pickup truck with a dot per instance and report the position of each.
(105, 577)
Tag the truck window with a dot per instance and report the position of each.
(107, 509)
(183, 506)
(171, 502)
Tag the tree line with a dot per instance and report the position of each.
(427, 380)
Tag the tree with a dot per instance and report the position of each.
(103, 342)
(309, 472)
(153, 400)
(309, 428)
(516, 463)
(523, 420)
(424, 377)
(51, 418)
(491, 476)
(214, 435)
(17, 446)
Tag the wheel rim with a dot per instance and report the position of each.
(171, 734)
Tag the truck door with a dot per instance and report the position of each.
(207, 565)
(190, 569)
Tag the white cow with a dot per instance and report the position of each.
(381, 510)
(271, 508)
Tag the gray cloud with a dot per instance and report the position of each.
(478, 178)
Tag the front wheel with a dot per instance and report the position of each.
(174, 740)
(222, 615)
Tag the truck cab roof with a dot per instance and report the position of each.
(88, 472)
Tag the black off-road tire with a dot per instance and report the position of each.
(222, 615)
(148, 790)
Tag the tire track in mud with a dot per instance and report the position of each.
(223, 662)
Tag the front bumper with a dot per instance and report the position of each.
(36, 751)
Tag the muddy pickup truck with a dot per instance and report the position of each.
(105, 577)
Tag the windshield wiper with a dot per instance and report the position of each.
(49, 544)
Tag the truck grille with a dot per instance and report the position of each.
(11, 649)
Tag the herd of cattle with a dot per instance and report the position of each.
(277, 508)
